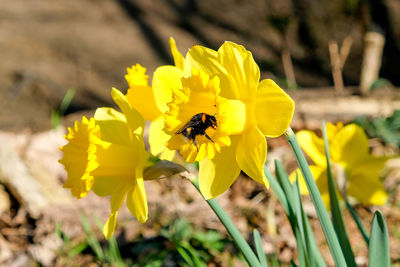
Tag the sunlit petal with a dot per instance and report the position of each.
(240, 64)
(134, 119)
(218, 174)
(157, 136)
(251, 153)
(231, 116)
(109, 227)
(273, 109)
(178, 58)
(80, 158)
(206, 60)
(165, 80)
(136, 201)
(113, 126)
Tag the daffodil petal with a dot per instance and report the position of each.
(140, 95)
(119, 194)
(273, 109)
(231, 116)
(105, 185)
(143, 100)
(109, 227)
(136, 201)
(178, 58)
(320, 176)
(133, 117)
(240, 64)
(113, 126)
(313, 146)
(350, 145)
(136, 76)
(251, 153)
(117, 160)
(364, 182)
(80, 156)
(367, 190)
(218, 174)
(165, 80)
(168, 154)
(157, 136)
(206, 60)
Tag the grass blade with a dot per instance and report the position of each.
(337, 216)
(379, 250)
(316, 198)
(91, 238)
(259, 248)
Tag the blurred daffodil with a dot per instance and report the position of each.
(106, 154)
(355, 170)
(222, 87)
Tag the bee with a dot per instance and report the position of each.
(198, 125)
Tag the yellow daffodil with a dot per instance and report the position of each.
(355, 170)
(147, 101)
(106, 154)
(225, 86)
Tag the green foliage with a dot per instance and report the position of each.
(259, 249)
(103, 254)
(379, 250)
(57, 114)
(337, 216)
(316, 198)
(386, 129)
(289, 196)
(178, 244)
(335, 231)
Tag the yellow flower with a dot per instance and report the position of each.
(147, 101)
(106, 154)
(223, 84)
(355, 170)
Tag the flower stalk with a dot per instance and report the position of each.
(316, 198)
(239, 240)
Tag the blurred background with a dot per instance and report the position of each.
(339, 60)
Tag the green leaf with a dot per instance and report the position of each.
(312, 251)
(379, 250)
(316, 198)
(337, 216)
(91, 239)
(359, 223)
(276, 187)
(259, 248)
(239, 240)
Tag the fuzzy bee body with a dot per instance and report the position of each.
(198, 125)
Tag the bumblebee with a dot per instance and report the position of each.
(198, 125)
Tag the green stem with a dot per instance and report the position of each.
(239, 240)
(316, 198)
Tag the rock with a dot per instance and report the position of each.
(5, 202)
(16, 176)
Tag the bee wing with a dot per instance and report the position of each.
(184, 127)
(190, 124)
